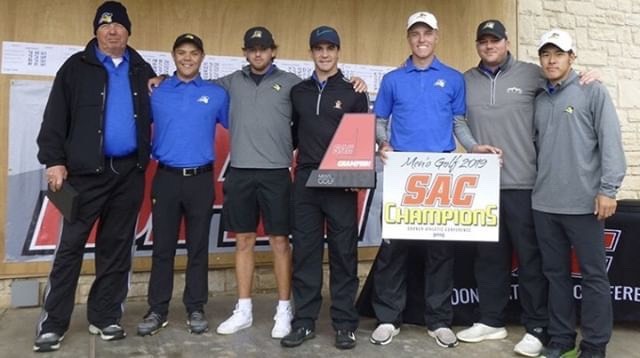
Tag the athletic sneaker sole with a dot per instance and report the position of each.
(151, 333)
(237, 329)
(292, 344)
(48, 347)
(526, 354)
(394, 333)
(105, 337)
(491, 336)
(441, 343)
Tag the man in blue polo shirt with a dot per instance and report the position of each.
(186, 110)
(426, 98)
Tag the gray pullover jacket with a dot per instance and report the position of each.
(580, 151)
(260, 118)
(500, 113)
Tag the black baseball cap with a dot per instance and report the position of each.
(258, 37)
(324, 34)
(188, 38)
(491, 27)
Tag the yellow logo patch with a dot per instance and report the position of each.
(106, 18)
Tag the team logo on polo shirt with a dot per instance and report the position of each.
(569, 109)
(276, 87)
(440, 83)
(514, 90)
(338, 104)
(203, 99)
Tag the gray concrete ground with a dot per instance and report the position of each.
(17, 327)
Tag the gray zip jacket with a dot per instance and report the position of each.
(260, 119)
(580, 151)
(500, 113)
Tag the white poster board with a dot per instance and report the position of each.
(40, 59)
(441, 196)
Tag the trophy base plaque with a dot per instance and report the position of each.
(341, 179)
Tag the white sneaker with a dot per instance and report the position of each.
(444, 337)
(529, 346)
(383, 334)
(480, 332)
(282, 327)
(239, 320)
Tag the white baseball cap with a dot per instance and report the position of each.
(423, 17)
(557, 37)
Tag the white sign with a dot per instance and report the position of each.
(441, 196)
(25, 58)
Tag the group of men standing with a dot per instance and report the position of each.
(550, 130)
(96, 136)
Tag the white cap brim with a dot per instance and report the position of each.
(559, 38)
(423, 17)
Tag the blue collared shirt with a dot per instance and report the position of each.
(422, 104)
(185, 117)
(550, 87)
(119, 122)
(319, 83)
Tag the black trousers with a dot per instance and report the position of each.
(114, 198)
(557, 233)
(493, 266)
(312, 209)
(390, 286)
(175, 197)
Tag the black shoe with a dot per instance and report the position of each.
(297, 337)
(47, 342)
(197, 322)
(591, 353)
(345, 339)
(556, 351)
(152, 323)
(540, 333)
(109, 333)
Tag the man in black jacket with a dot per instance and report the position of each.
(95, 135)
(318, 105)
